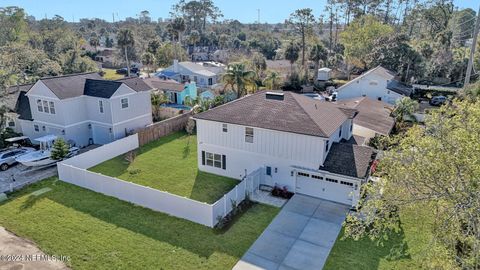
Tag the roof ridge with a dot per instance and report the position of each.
(308, 114)
(66, 75)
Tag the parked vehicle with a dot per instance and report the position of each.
(133, 70)
(438, 100)
(19, 141)
(8, 157)
(42, 156)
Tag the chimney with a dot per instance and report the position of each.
(175, 65)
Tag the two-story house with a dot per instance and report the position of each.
(84, 108)
(378, 83)
(301, 144)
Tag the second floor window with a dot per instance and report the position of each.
(224, 128)
(100, 105)
(326, 146)
(249, 135)
(124, 103)
(46, 106)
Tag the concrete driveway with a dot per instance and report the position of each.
(300, 237)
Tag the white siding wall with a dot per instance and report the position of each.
(372, 86)
(139, 104)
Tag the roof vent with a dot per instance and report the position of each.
(274, 95)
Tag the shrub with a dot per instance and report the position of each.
(60, 149)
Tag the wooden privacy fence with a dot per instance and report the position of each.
(163, 128)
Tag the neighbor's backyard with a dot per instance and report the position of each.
(101, 232)
(404, 250)
(169, 164)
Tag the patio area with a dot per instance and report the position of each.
(169, 164)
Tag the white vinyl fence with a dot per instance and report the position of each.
(74, 171)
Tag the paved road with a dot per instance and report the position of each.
(300, 237)
(11, 244)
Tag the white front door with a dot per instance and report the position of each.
(101, 134)
(336, 190)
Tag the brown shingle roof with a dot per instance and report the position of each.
(295, 113)
(372, 114)
(164, 85)
(136, 83)
(348, 159)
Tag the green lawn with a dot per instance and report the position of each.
(170, 164)
(100, 232)
(404, 250)
(110, 74)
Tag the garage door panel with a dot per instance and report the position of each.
(321, 188)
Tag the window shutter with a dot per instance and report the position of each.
(203, 157)
(224, 162)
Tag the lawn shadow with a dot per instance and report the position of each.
(211, 187)
(190, 236)
(186, 149)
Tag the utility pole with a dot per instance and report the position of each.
(258, 14)
(472, 50)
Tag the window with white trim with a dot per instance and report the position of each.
(213, 160)
(124, 102)
(36, 128)
(39, 105)
(249, 134)
(224, 127)
(100, 106)
(46, 106)
(52, 107)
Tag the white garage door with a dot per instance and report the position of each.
(101, 135)
(326, 188)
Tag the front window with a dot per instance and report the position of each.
(124, 103)
(100, 105)
(249, 135)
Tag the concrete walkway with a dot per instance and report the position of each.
(300, 237)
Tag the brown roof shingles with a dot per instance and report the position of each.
(348, 159)
(295, 113)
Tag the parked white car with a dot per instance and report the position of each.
(8, 156)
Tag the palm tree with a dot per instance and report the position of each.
(272, 81)
(318, 53)
(194, 38)
(404, 107)
(292, 54)
(94, 42)
(237, 75)
(126, 40)
(178, 26)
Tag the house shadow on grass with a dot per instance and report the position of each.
(193, 237)
(366, 253)
(210, 188)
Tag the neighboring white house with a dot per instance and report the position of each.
(298, 141)
(378, 83)
(204, 74)
(84, 108)
(373, 118)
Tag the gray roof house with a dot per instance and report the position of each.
(204, 74)
(296, 142)
(83, 108)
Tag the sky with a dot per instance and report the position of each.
(271, 11)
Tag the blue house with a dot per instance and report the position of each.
(207, 95)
